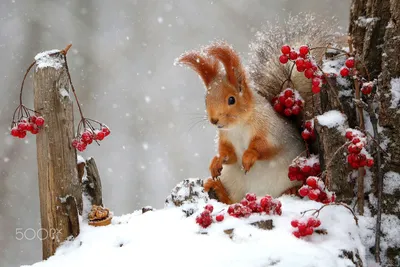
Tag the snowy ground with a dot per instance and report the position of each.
(168, 238)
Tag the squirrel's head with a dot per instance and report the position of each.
(229, 100)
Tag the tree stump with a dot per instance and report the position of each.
(59, 187)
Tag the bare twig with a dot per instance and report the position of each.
(374, 122)
(317, 211)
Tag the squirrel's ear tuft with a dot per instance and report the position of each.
(207, 68)
(235, 72)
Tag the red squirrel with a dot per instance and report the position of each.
(255, 144)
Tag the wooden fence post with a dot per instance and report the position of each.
(59, 185)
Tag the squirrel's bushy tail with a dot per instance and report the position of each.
(265, 70)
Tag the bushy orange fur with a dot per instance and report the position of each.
(242, 120)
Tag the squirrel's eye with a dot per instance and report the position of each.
(231, 100)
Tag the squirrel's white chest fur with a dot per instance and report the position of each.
(265, 177)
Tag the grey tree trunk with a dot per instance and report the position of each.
(375, 29)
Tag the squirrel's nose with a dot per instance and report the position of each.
(214, 121)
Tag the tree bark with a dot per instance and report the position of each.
(59, 187)
(375, 29)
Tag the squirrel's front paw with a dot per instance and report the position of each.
(216, 167)
(248, 159)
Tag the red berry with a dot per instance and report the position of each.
(209, 207)
(231, 210)
(301, 68)
(309, 73)
(303, 50)
(317, 223)
(294, 223)
(21, 134)
(105, 130)
(287, 112)
(308, 64)
(39, 121)
(15, 132)
(309, 231)
(219, 217)
(87, 137)
(75, 143)
(303, 191)
(316, 89)
(293, 55)
(98, 135)
(300, 62)
(312, 182)
(350, 62)
(308, 125)
(311, 222)
(306, 135)
(251, 197)
(316, 81)
(288, 93)
(253, 206)
(34, 129)
(344, 72)
(22, 126)
(283, 59)
(282, 99)
(81, 146)
(244, 202)
(299, 102)
(317, 168)
(349, 135)
(306, 169)
(302, 227)
(313, 194)
(370, 162)
(266, 201)
(278, 107)
(296, 110)
(289, 102)
(285, 49)
(297, 234)
(32, 119)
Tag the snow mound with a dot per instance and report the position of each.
(331, 119)
(168, 238)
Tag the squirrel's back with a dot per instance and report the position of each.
(265, 70)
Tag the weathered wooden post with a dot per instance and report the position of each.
(59, 185)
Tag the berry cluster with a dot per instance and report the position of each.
(88, 135)
(250, 205)
(315, 189)
(304, 63)
(366, 88)
(205, 218)
(308, 134)
(350, 63)
(288, 103)
(30, 124)
(302, 167)
(357, 154)
(305, 227)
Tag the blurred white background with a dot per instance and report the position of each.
(122, 67)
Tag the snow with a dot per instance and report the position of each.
(391, 182)
(44, 60)
(331, 119)
(64, 93)
(395, 84)
(168, 238)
